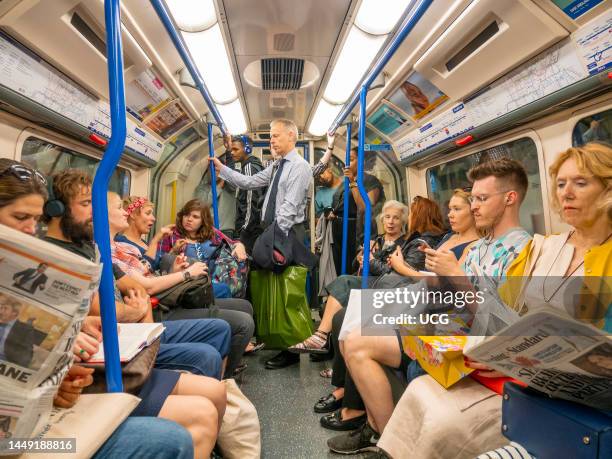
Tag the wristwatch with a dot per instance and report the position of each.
(352, 185)
(186, 275)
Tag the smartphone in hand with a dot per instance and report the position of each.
(423, 242)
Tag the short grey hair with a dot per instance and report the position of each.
(287, 124)
(393, 204)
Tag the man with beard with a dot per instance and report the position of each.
(198, 346)
(68, 213)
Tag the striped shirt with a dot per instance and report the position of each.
(293, 187)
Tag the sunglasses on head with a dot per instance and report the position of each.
(24, 173)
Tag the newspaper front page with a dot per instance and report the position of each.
(45, 293)
(555, 354)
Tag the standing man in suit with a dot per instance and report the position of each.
(31, 279)
(16, 338)
(288, 180)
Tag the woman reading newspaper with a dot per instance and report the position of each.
(548, 272)
(22, 195)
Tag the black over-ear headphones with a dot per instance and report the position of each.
(53, 207)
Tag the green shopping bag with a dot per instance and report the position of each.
(281, 308)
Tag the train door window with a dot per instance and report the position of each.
(50, 158)
(593, 128)
(443, 179)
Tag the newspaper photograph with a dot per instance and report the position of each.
(23, 414)
(44, 292)
(554, 354)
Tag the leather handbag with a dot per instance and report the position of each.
(134, 373)
(553, 428)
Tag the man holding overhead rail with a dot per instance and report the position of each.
(248, 202)
(288, 180)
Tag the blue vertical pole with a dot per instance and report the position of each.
(100, 189)
(213, 176)
(367, 217)
(347, 191)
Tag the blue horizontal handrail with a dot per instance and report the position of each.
(166, 19)
(100, 189)
(398, 39)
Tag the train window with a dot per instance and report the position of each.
(597, 127)
(49, 158)
(443, 179)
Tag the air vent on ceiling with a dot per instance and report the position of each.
(281, 74)
(278, 113)
(284, 41)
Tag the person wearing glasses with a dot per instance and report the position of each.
(22, 195)
(499, 187)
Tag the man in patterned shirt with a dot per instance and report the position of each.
(499, 188)
(467, 413)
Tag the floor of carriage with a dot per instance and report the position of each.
(284, 399)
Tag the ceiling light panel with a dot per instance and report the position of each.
(323, 118)
(193, 15)
(233, 116)
(356, 56)
(379, 17)
(208, 51)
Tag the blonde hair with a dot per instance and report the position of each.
(594, 159)
(393, 204)
(465, 196)
(462, 194)
(289, 125)
(134, 205)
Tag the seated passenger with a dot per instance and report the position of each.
(195, 237)
(467, 414)
(425, 223)
(458, 241)
(131, 261)
(198, 346)
(22, 196)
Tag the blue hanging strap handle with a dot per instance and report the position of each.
(367, 217)
(213, 176)
(347, 190)
(100, 189)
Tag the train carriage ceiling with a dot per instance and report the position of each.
(282, 30)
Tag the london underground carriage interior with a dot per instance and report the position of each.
(295, 229)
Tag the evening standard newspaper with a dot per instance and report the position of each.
(45, 293)
(553, 353)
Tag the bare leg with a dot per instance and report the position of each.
(332, 306)
(203, 386)
(196, 414)
(364, 357)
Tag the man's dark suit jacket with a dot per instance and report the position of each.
(25, 276)
(18, 346)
